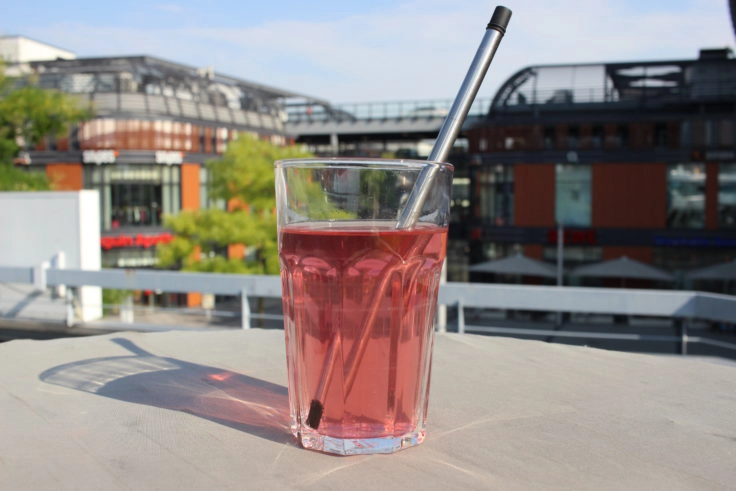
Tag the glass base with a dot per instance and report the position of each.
(359, 446)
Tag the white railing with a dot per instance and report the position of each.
(683, 307)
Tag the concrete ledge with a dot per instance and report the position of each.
(200, 410)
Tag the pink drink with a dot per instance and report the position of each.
(359, 302)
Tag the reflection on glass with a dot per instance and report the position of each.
(686, 196)
(460, 203)
(572, 195)
(727, 195)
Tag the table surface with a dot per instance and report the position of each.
(208, 410)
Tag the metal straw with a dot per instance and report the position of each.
(456, 117)
(495, 30)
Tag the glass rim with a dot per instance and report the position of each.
(358, 162)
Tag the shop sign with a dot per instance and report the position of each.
(139, 240)
(168, 158)
(719, 155)
(573, 237)
(695, 241)
(99, 156)
(23, 158)
(148, 174)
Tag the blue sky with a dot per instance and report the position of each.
(372, 50)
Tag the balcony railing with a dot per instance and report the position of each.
(683, 308)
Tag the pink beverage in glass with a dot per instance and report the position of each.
(359, 302)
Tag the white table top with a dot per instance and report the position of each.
(208, 410)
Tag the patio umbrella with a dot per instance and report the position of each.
(623, 268)
(517, 264)
(721, 271)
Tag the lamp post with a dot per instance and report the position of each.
(560, 263)
(560, 252)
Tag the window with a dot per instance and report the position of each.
(134, 195)
(622, 136)
(573, 137)
(727, 195)
(201, 140)
(549, 138)
(686, 134)
(686, 196)
(596, 137)
(135, 204)
(496, 194)
(460, 203)
(572, 195)
(660, 135)
(726, 133)
(204, 198)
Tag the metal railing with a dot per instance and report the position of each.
(403, 109)
(683, 307)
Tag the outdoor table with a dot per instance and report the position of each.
(208, 409)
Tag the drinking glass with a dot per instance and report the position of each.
(359, 297)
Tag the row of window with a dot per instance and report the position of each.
(134, 134)
(573, 198)
(710, 133)
(140, 195)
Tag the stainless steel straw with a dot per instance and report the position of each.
(458, 112)
(495, 30)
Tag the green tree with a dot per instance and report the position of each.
(27, 114)
(243, 178)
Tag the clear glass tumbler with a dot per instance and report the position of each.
(359, 297)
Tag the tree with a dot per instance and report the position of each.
(244, 179)
(28, 113)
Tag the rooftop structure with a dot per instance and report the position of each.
(150, 87)
(619, 85)
(20, 49)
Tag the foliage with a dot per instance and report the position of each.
(243, 178)
(14, 179)
(307, 198)
(27, 114)
(374, 184)
(112, 299)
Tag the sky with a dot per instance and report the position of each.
(372, 50)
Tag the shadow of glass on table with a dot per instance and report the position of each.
(245, 403)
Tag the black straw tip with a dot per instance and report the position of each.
(500, 19)
(315, 414)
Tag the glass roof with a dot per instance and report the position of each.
(714, 74)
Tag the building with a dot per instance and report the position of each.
(155, 125)
(635, 159)
(20, 49)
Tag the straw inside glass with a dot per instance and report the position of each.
(409, 215)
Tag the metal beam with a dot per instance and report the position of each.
(13, 274)
(169, 281)
(653, 303)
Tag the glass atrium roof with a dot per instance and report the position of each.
(712, 75)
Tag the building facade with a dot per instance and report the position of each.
(635, 159)
(155, 124)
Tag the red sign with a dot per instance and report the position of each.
(573, 237)
(140, 240)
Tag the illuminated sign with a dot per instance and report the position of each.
(99, 156)
(695, 241)
(23, 158)
(574, 237)
(169, 158)
(123, 173)
(140, 240)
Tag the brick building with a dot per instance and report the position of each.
(635, 159)
(155, 123)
